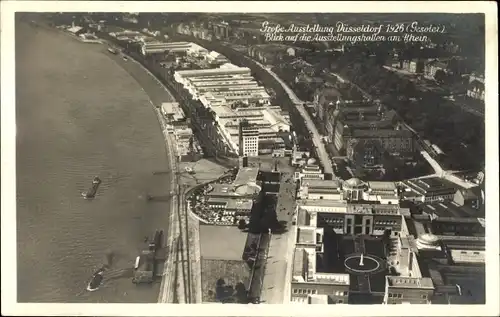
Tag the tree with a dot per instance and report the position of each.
(440, 76)
(242, 224)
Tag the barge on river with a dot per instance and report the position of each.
(89, 194)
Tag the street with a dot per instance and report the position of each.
(316, 137)
(281, 246)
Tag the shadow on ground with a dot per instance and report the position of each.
(226, 293)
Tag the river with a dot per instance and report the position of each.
(78, 115)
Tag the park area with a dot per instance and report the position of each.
(224, 281)
(224, 274)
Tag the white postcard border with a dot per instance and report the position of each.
(8, 130)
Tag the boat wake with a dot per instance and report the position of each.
(98, 276)
(96, 280)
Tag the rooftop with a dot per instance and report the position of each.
(233, 204)
(318, 299)
(409, 282)
(449, 210)
(382, 133)
(223, 190)
(246, 175)
(431, 185)
(212, 72)
(306, 235)
(304, 218)
(382, 186)
(321, 184)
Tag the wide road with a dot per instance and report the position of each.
(316, 137)
(275, 287)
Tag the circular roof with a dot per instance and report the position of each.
(311, 161)
(428, 238)
(354, 182)
(247, 189)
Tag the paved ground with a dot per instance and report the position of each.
(275, 284)
(222, 242)
(205, 170)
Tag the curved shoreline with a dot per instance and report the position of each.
(113, 109)
(167, 280)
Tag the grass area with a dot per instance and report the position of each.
(222, 242)
(224, 281)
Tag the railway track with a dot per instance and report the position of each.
(184, 250)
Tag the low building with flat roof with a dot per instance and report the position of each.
(246, 175)
(164, 48)
(383, 192)
(310, 171)
(347, 218)
(172, 111)
(300, 158)
(428, 189)
(450, 252)
(321, 189)
(314, 186)
(232, 95)
(237, 207)
(215, 57)
(307, 281)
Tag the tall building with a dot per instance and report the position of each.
(249, 139)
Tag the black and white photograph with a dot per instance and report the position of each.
(247, 154)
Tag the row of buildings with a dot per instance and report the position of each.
(226, 101)
(313, 185)
(429, 68)
(367, 242)
(187, 146)
(363, 130)
(270, 53)
(220, 30)
(245, 119)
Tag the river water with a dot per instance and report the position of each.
(78, 115)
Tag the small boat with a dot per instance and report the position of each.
(96, 281)
(93, 190)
